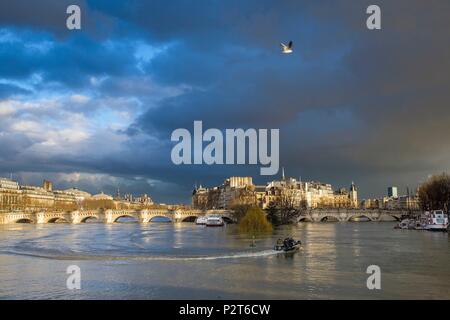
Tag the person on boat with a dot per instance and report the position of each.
(279, 242)
(287, 243)
(291, 242)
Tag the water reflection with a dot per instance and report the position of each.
(183, 260)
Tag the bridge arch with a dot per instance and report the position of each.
(358, 216)
(135, 219)
(23, 220)
(163, 219)
(85, 219)
(189, 219)
(57, 219)
(227, 219)
(305, 219)
(329, 219)
(395, 217)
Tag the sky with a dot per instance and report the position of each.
(94, 108)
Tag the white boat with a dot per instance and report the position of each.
(412, 224)
(436, 220)
(214, 221)
(404, 224)
(421, 222)
(201, 220)
(419, 225)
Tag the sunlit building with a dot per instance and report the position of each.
(408, 202)
(10, 195)
(80, 195)
(241, 190)
(35, 198)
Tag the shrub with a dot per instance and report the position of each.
(254, 222)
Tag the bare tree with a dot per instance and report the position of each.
(239, 211)
(286, 209)
(290, 207)
(434, 194)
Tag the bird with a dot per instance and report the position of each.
(286, 48)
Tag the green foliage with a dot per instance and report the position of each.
(254, 222)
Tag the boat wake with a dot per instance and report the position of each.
(78, 256)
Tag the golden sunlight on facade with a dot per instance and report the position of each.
(241, 190)
(34, 198)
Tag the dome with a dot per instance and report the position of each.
(102, 196)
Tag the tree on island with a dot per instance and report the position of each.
(239, 211)
(434, 194)
(286, 210)
(254, 222)
(244, 199)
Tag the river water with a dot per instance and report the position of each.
(185, 261)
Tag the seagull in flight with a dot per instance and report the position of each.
(286, 48)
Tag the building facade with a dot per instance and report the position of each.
(35, 198)
(10, 194)
(393, 201)
(241, 190)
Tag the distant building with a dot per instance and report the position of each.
(10, 195)
(239, 182)
(392, 192)
(144, 199)
(80, 195)
(393, 201)
(241, 190)
(34, 198)
(47, 185)
(101, 196)
(128, 197)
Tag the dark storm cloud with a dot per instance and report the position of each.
(392, 85)
(71, 62)
(42, 14)
(351, 104)
(51, 16)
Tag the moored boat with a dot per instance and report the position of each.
(419, 226)
(404, 224)
(214, 221)
(436, 220)
(201, 220)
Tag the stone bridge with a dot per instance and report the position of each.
(108, 216)
(343, 215)
(180, 215)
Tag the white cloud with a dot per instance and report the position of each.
(26, 126)
(79, 98)
(6, 109)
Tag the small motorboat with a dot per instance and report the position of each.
(287, 245)
(404, 224)
(419, 226)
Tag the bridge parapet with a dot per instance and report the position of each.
(49, 217)
(317, 215)
(15, 216)
(83, 215)
(106, 215)
(147, 215)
